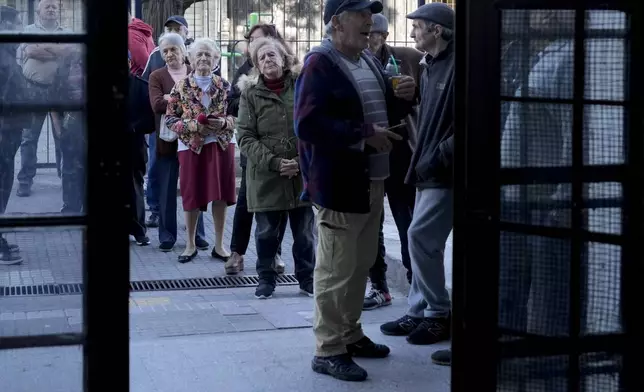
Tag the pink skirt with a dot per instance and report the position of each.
(207, 177)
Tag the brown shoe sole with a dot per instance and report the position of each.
(234, 269)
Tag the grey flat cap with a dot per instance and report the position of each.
(439, 13)
(380, 23)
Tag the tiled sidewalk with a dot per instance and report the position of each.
(207, 340)
(54, 256)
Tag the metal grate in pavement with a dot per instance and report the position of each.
(41, 289)
(222, 282)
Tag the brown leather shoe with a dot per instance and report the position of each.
(234, 264)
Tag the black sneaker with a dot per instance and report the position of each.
(153, 221)
(264, 290)
(376, 299)
(202, 244)
(8, 256)
(142, 241)
(341, 367)
(166, 246)
(365, 348)
(442, 357)
(23, 190)
(401, 327)
(307, 289)
(430, 331)
(12, 247)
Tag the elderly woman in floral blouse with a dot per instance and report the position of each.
(197, 113)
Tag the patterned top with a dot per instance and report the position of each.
(185, 106)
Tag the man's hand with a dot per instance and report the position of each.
(380, 140)
(289, 168)
(406, 88)
(39, 52)
(166, 97)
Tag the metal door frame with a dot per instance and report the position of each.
(106, 246)
(476, 349)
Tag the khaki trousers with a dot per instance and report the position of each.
(346, 250)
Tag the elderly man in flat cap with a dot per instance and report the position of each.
(401, 196)
(427, 320)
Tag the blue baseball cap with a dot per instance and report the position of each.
(336, 7)
(177, 19)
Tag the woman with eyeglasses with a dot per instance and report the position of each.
(243, 219)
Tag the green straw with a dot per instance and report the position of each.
(393, 59)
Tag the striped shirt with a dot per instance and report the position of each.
(374, 108)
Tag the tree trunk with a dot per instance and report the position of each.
(156, 12)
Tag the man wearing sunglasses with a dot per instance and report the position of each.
(344, 103)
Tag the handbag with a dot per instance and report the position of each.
(165, 133)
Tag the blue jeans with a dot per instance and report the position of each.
(152, 192)
(168, 169)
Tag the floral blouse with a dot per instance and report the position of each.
(186, 114)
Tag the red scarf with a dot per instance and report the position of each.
(276, 85)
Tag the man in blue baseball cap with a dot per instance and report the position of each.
(344, 105)
(336, 7)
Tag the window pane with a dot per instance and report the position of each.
(41, 285)
(42, 130)
(52, 369)
(50, 16)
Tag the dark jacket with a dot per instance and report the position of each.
(432, 162)
(140, 120)
(329, 120)
(140, 114)
(235, 93)
(234, 96)
(14, 90)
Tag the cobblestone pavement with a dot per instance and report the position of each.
(204, 340)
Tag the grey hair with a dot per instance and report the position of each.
(256, 45)
(208, 43)
(328, 28)
(446, 35)
(173, 39)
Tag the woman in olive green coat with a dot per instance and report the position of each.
(273, 181)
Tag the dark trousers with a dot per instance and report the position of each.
(74, 151)
(9, 144)
(268, 237)
(243, 221)
(534, 276)
(168, 175)
(29, 150)
(137, 203)
(401, 199)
